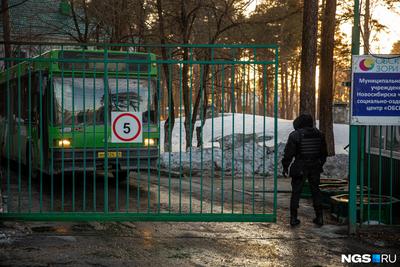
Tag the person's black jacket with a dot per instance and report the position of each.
(307, 145)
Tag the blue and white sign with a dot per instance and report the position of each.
(375, 90)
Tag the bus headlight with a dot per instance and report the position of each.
(63, 143)
(149, 142)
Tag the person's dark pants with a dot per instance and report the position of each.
(297, 186)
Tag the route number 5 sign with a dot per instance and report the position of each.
(126, 127)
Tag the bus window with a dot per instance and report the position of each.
(133, 95)
(78, 99)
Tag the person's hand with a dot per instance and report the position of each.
(285, 172)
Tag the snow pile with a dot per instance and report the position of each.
(238, 149)
(337, 166)
(239, 138)
(237, 123)
(215, 159)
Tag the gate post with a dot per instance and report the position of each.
(353, 160)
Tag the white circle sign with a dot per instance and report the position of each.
(126, 127)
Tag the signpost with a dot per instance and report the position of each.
(126, 127)
(375, 90)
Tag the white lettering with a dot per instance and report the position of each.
(384, 258)
(366, 258)
(346, 258)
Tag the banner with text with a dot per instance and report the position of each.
(375, 90)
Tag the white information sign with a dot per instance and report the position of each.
(375, 94)
(126, 127)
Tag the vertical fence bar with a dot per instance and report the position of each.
(254, 125)
(180, 137)
(19, 136)
(29, 158)
(202, 100)
(117, 145)
(9, 121)
(212, 127)
(353, 135)
(276, 131)
(170, 119)
(52, 123)
(138, 151)
(85, 126)
(159, 139)
(190, 126)
(41, 143)
(264, 113)
(94, 137)
(106, 104)
(222, 135)
(62, 129)
(73, 135)
(353, 179)
(233, 129)
(128, 156)
(148, 129)
(243, 129)
(362, 157)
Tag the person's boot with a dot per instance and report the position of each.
(319, 219)
(293, 218)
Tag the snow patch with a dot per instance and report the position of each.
(242, 143)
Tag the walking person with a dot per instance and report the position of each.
(307, 145)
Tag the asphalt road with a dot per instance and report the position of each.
(171, 243)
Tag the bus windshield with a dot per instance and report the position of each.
(81, 100)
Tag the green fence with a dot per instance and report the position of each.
(150, 132)
(374, 168)
(376, 186)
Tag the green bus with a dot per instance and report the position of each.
(55, 111)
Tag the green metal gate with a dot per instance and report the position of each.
(374, 167)
(376, 181)
(66, 154)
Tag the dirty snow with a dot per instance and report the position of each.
(249, 154)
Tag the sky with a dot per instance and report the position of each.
(389, 18)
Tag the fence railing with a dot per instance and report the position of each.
(199, 142)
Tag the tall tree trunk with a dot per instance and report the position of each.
(326, 75)
(238, 99)
(186, 97)
(170, 121)
(286, 103)
(141, 22)
(202, 93)
(367, 31)
(297, 93)
(293, 82)
(6, 32)
(309, 57)
(261, 90)
(282, 105)
(270, 92)
(248, 92)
